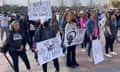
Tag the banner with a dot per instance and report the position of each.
(97, 51)
(74, 37)
(49, 50)
(39, 10)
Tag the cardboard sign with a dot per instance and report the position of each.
(97, 51)
(39, 10)
(74, 37)
(49, 50)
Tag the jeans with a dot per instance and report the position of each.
(90, 45)
(14, 55)
(56, 65)
(109, 44)
(84, 44)
(4, 29)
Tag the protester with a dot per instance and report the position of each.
(63, 24)
(13, 17)
(92, 32)
(44, 32)
(114, 21)
(16, 42)
(118, 19)
(24, 27)
(60, 34)
(71, 50)
(54, 24)
(83, 20)
(110, 34)
(32, 26)
(118, 24)
(4, 25)
(78, 19)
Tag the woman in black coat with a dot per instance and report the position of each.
(16, 46)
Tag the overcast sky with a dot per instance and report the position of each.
(54, 2)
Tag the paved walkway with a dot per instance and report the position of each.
(109, 65)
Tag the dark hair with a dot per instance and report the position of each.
(107, 14)
(46, 24)
(5, 12)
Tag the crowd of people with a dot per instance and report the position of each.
(21, 31)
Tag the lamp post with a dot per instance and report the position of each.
(3, 4)
(28, 2)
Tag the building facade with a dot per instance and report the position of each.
(109, 2)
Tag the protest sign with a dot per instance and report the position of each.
(74, 37)
(97, 51)
(39, 10)
(49, 50)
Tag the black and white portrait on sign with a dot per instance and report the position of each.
(74, 37)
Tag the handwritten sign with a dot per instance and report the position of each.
(74, 37)
(39, 10)
(97, 51)
(49, 50)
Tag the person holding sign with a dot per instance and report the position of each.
(71, 57)
(44, 33)
(92, 31)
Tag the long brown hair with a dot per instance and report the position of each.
(108, 16)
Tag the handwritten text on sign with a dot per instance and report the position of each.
(39, 10)
(49, 50)
(97, 51)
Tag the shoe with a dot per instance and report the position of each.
(29, 70)
(63, 55)
(57, 71)
(108, 55)
(113, 53)
(76, 65)
(71, 66)
(91, 60)
(83, 50)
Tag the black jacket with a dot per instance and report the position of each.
(14, 41)
(23, 25)
(43, 34)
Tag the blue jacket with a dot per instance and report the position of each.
(90, 27)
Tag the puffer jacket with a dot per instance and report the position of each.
(43, 34)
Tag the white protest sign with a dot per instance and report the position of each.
(97, 51)
(39, 10)
(49, 50)
(74, 37)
